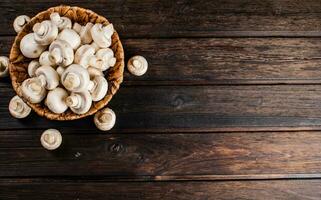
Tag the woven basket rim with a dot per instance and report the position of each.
(18, 63)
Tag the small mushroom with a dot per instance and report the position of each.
(32, 67)
(104, 58)
(98, 88)
(71, 37)
(48, 77)
(60, 22)
(55, 100)
(20, 22)
(61, 53)
(30, 48)
(60, 70)
(105, 119)
(83, 55)
(45, 32)
(137, 65)
(18, 108)
(79, 102)
(94, 72)
(51, 139)
(75, 78)
(4, 66)
(102, 34)
(84, 32)
(33, 90)
(44, 59)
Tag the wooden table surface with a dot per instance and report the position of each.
(229, 109)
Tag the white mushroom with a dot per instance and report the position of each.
(55, 100)
(83, 55)
(98, 88)
(105, 119)
(45, 32)
(102, 34)
(60, 70)
(51, 139)
(30, 48)
(20, 22)
(4, 66)
(61, 53)
(18, 108)
(60, 22)
(104, 58)
(75, 78)
(79, 103)
(71, 37)
(92, 71)
(48, 77)
(33, 90)
(137, 65)
(44, 59)
(32, 67)
(84, 32)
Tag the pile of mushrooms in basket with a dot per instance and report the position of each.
(66, 63)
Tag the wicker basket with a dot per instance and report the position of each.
(19, 63)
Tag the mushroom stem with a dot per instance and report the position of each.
(36, 87)
(16, 106)
(49, 138)
(39, 29)
(105, 117)
(73, 100)
(55, 56)
(55, 17)
(92, 85)
(42, 80)
(71, 80)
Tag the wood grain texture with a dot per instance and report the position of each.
(195, 108)
(245, 190)
(217, 156)
(222, 60)
(189, 18)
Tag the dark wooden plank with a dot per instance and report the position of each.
(245, 190)
(190, 18)
(222, 60)
(196, 108)
(217, 156)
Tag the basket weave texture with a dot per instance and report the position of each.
(19, 64)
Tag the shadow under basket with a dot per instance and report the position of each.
(19, 64)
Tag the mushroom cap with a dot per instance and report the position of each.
(50, 75)
(55, 100)
(60, 22)
(137, 65)
(79, 102)
(20, 22)
(85, 34)
(75, 78)
(71, 37)
(102, 34)
(51, 139)
(105, 119)
(99, 88)
(94, 72)
(32, 67)
(45, 32)
(18, 108)
(4, 66)
(44, 59)
(61, 53)
(83, 55)
(33, 90)
(30, 48)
